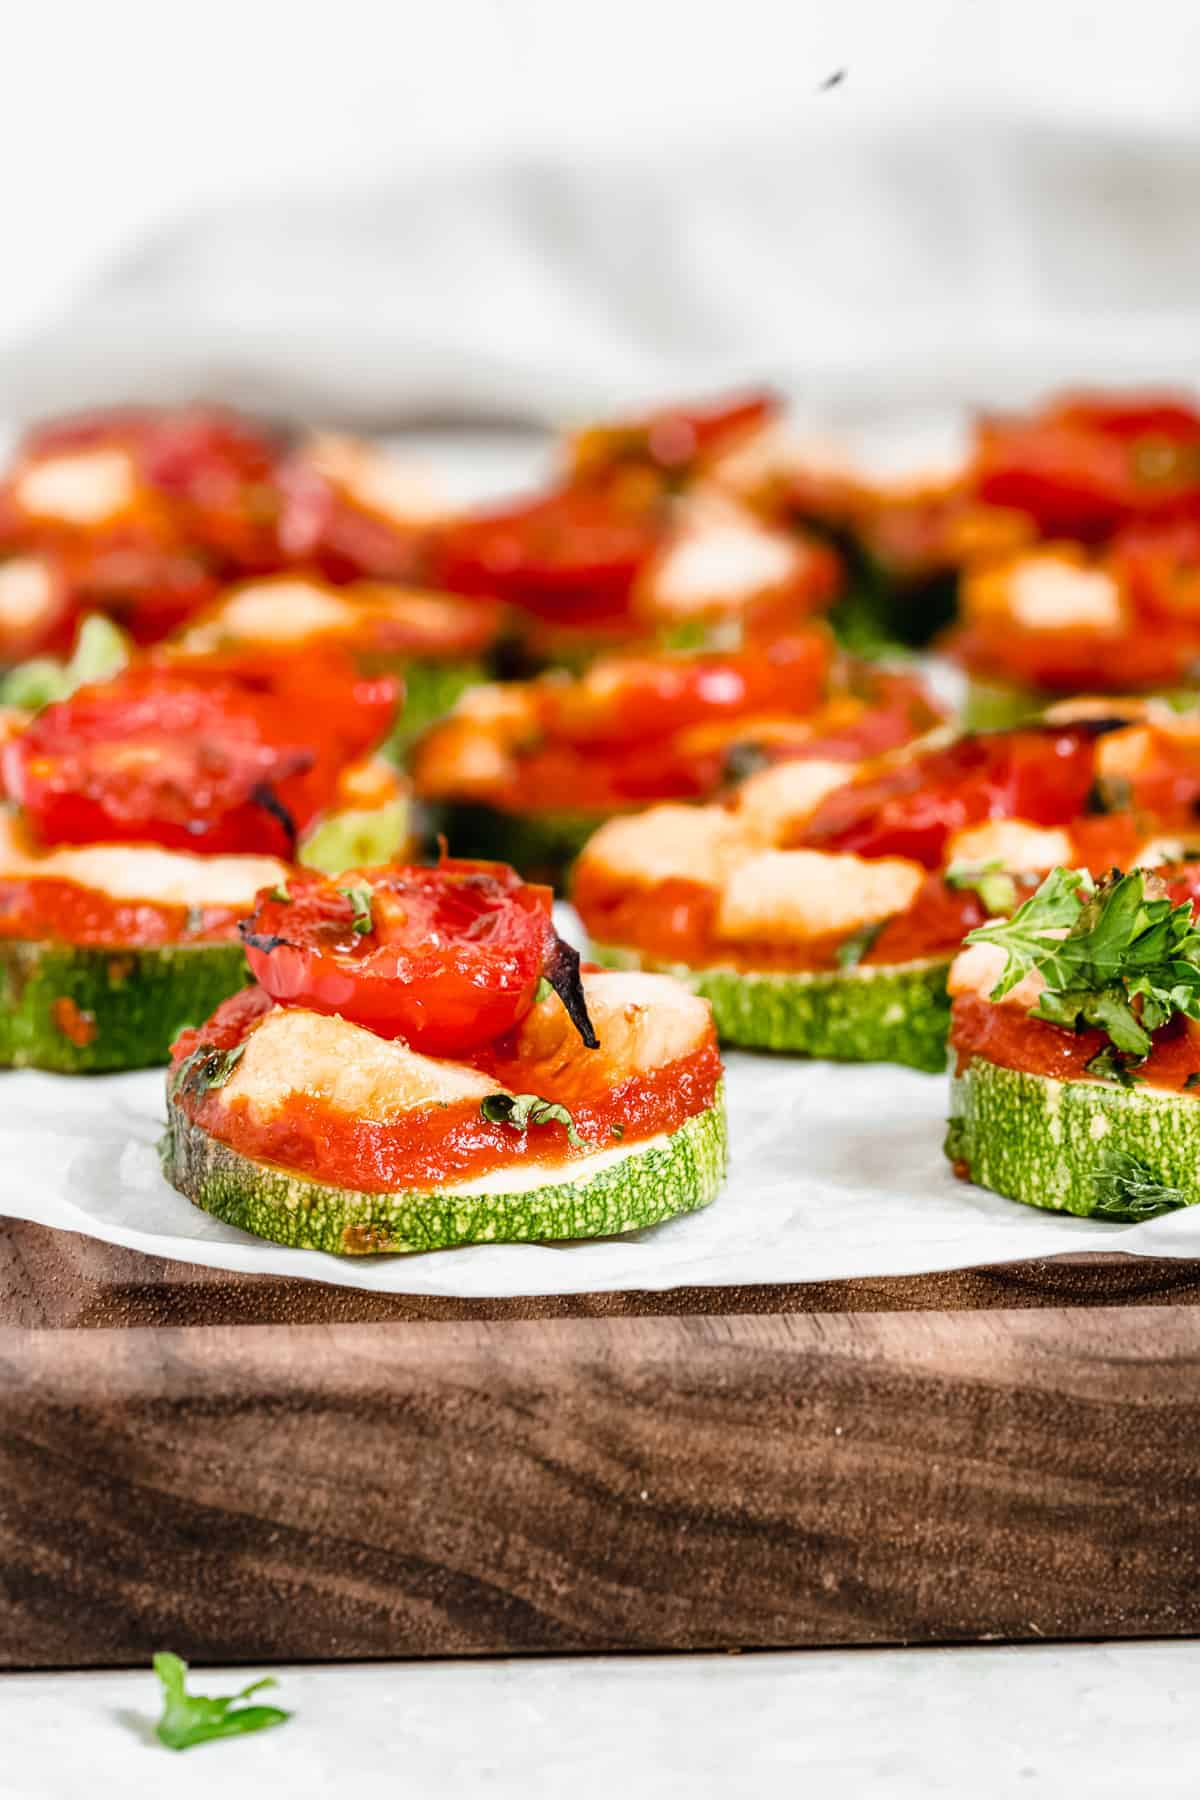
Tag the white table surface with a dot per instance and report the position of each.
(1090, 1719)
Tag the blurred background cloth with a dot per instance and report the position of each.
(517, 213)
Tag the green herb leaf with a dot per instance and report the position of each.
(994, 885)
(280, 896)
(618, 1131)
(100, 650)
(206, 1067)
(1127, 1190)
(544, 990)
(360, 900)
(1192, 1082)
(189, 1719)
(1110, 1064)
(851, 952)
(522, 1110)
(1119, 957)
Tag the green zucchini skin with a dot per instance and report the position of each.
(648, 1185)
(129, 1005)
(897, 1015)
(540, 846)
(994, 705)
(1053, 1144)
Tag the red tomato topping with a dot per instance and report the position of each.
(1085, 465)
(912, 809)
(1006, 1035)
(447, 958)
(671, 438)
(215, 756)
(633, 699)
(571, 556)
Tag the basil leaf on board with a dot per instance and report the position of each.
(523, 1110)
(189, 1719)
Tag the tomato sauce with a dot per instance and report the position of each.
(434, 1145)
(38, 910)
(1005, 1035)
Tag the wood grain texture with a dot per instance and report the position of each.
(54, 1280)
(587, 1484)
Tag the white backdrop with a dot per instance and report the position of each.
(521, 208)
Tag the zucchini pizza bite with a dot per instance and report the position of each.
(142, 815)
(1076, 1043)
(1061, 619)
(422, 1064)
(529, 770)
(138, 513)
(820, 909)
(439, 643)
(633, 545)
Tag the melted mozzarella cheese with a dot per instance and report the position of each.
(26, 593)
(1046, 593)
(80, 487)
(977, 969)
(144, 872)
(344, 1066)
(723, 559)
(790, 896)
(778, 451)
(781, 798)
(642, 1021)
(276, 612)
(1012, 843)
(397, 491)
(670, 842)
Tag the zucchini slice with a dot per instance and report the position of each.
(1084, 1147)
(897, 1014)
(612, 1191)
(81, 1009)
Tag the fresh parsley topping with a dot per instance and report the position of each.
(851, 952)
(995, 886)
(206, 1067)
(523, 1110)
(1118, 956)
(360, 902)
(1126, 1190)
(189, 1719)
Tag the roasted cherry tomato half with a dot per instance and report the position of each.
(571, 557)
(671, 439)
(913, 808)
(214, 760)
(1085, 465)
(447, 958)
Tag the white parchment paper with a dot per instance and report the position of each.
(836, 1171)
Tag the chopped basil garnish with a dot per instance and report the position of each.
(994, 885)
(851, 952)
(1112, 1065)
(206, 1067)
(189, 1719)
(360, 901)
(523, 1110)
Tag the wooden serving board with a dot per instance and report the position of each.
(245, 1468)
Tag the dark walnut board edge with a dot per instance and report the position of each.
(1021, 1464)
